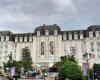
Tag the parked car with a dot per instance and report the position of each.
(31, 74)
(39, 77)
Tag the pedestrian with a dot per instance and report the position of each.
(10, 78)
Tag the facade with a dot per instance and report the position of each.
(48, 43)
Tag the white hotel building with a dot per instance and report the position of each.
(48, 43)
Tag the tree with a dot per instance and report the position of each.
(68, 68)
(64, 59)
(96, 71)
(12, 63)
(26, 59)
(71, 71)
(91, 73)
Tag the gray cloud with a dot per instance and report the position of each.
(25, 15)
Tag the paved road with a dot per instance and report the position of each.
(46, 78)
(26, 79)
(31, 79)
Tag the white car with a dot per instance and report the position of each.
(39, 77)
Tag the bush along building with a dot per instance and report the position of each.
(48, 43)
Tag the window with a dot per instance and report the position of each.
(51, 47)
(73, 51)
(1, 46)
(38, 33)
(18, 39)
(5, 57)
(75, 36)
(0, 52)
(42, 48)
(15, 45)
(14, 56)
(70, 36)
(15, 50)
(55, 32)
(27, 39)
(5, 52)
(98, 47)
(22, 39)
(92, 46)
(90, 34)
(6, 46)
(0, 57)
(4, 38)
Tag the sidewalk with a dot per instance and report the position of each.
(49, 78)
(46, 78)
(3, 78)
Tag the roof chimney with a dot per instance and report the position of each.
(43, 24)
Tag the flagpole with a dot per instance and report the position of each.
(88, 68)
(93, 56)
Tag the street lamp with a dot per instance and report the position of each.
(8, 72)
(22, 71)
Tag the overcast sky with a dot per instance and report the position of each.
(25, 15)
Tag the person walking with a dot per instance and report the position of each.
(11, 78)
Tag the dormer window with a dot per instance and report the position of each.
(46, 32)
(91, 34)
(97, 33)
(75, 36)
(64, 36)
(70, 36)
(16, 39)
(81, 35)
(55, 32)
(4, 38)
(7, 38)
(21, 39)
(25, 39)
(38, 33)
(73, 51)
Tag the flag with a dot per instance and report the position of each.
(85, 69)
(12, 71)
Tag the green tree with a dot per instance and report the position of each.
(68, 68)
(71, 71)
(96, 70)
(64, 59)
(12, 63)
(96, 66)
(26, 59)
(91, 73)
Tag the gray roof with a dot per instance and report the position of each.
(5, 33)
(51, 29)
(94, 27)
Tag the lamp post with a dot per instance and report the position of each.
(8, 73)
(22, 71)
